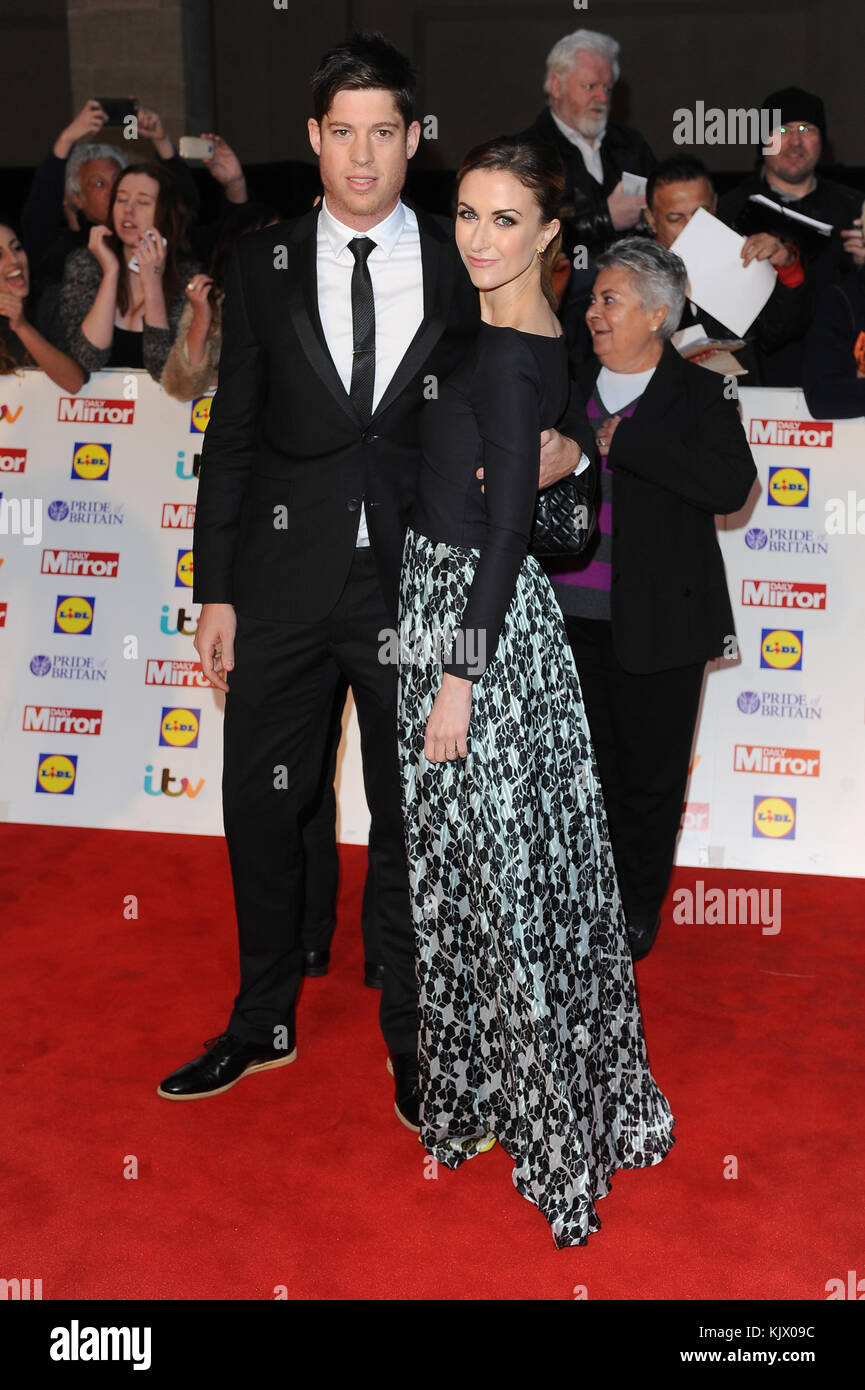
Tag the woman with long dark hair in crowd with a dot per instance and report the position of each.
(22, 345)
(530, 1029)
(122, 295)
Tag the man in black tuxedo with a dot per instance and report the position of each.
(335, 327)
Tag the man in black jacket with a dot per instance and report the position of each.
(332, 338)
(582, 69)
(676, 189)
(789, 179)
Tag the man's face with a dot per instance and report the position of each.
(581, 97)
(363, 151)
(799, 153)
(97, 180)
(674, 204)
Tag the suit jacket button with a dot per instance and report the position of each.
(686, 593)
(353, 504)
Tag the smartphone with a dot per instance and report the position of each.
(133, 263)
(192, 147)
(118, 109)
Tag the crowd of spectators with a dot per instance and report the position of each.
(109, 265)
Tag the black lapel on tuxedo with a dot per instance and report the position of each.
(438, 284)
(303, 310)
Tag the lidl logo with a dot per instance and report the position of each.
(91, 462)
(74, 615)
(199, 414)
(179, 727)
(183, 570)
(774, 817)
(56, 773)
(789, 487)
(781, 648)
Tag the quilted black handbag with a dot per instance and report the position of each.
(565, 520)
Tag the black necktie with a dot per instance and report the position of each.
(363, 328)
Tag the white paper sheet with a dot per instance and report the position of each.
(718, 282)
(633, 183)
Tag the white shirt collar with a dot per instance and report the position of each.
(576, 138)
(385, 234)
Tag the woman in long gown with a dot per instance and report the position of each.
(530, 1029)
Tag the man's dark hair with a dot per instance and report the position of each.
(680, 168)
(364, 62)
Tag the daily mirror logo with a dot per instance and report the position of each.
(90, 410)
(802, 434)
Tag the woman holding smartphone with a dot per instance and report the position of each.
(123, 294)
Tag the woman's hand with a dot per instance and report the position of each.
(151, 257)
(605, 434)
(448, 725)
(97, 245)
(12, 308)
(197, 291)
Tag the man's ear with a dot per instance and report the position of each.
(650, 218)
(555, 87)
(314, 131)
(412, 139)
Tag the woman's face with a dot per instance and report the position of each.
(623, 331)
(135, 207)
(499, 228)
(14, 274)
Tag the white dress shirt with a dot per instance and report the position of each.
(396, 272)
(591, 153)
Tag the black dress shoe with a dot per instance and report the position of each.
(373, 975)
(227, 1060)
(642, 930)
(315, 963)
(403, 1068)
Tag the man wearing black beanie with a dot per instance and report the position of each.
(788, 179)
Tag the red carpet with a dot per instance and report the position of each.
(303, 1177)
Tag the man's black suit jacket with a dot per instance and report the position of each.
(287, 460)
(679, 460)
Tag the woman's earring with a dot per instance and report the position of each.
(541, 250)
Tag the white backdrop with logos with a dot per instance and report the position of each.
(106, 720)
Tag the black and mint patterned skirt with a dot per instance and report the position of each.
(530, 1029)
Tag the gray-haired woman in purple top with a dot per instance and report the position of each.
(646, 606)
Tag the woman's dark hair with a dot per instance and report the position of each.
(364, 62)
(8, 363)
(242, 218)
(171, 218)
(539, 168)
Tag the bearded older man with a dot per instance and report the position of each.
(582, 70)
